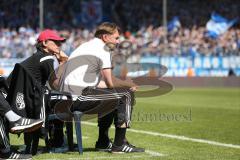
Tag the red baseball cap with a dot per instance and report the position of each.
(49, 35)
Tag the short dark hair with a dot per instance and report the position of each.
(106, 28)
(39, 46)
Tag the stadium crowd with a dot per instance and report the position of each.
(150, 40)
(190, 12)
(144, 29)
(19, 32)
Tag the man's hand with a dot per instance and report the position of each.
(129, 80)
(61, 57)
(134, 88)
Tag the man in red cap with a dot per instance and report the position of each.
(41, 64)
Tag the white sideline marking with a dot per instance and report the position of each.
(155, 154)
(176, 137)
(83, 137)
(151, 154)
(111, 157)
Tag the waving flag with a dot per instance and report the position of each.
(218, 25)
(91, 11)
(174, 25)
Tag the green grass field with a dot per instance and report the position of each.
(211, 114)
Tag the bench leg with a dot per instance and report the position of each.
(77, 119)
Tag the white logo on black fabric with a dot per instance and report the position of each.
(20, 104)
(4, 95)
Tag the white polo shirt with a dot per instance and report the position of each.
(84, 66)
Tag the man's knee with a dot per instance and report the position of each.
(121, 120)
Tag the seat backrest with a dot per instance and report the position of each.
(3, 86)
(60, 104)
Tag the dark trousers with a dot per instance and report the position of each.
(55, 128)
(104, 123)
(4, 106)
(4, 142)
(111, 103)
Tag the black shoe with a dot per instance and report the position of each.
(104, 148)
(126, 148)
(14, 155)
(25, 124)
(126, 142)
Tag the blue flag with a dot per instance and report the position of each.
(91, 11)
(218, 25)
(174, 25)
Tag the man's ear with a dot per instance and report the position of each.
(44, 43)
(104, 38)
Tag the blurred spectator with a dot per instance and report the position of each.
(135, 14)
(231, 73)
(141, 20)
(146, 41)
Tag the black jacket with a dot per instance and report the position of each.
(26, 95)
(3, 85)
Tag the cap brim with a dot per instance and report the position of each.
(58, 39)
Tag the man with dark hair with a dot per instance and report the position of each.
(88, 73)
(40, 65)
